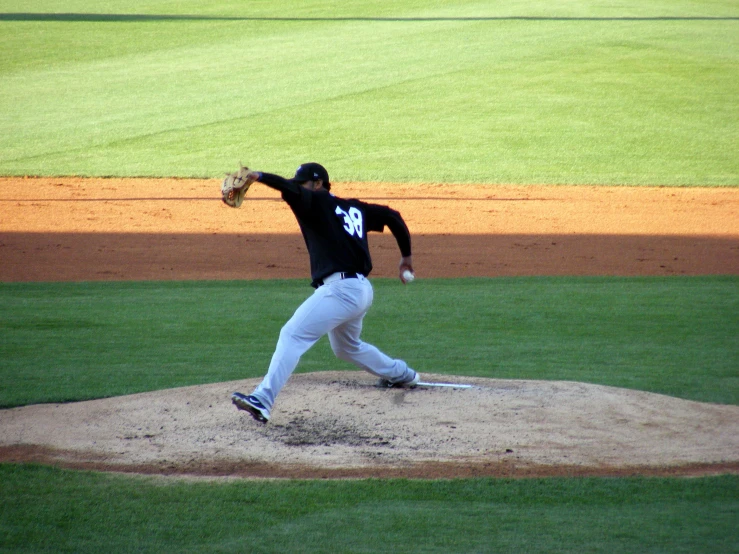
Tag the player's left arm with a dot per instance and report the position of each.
(296, 196)
(285, 186)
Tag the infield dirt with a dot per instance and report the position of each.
(338, 424)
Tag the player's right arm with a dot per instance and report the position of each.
(380, 217)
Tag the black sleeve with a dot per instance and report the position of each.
(378, 217)
(287, 188)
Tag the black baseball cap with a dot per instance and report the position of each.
(311, 172)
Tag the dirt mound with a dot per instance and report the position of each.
(342, 424)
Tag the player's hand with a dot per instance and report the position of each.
(406, 264)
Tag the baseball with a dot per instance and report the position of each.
(408, 276)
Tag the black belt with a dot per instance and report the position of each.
(340, 276)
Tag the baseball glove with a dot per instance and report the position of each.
(234, 187)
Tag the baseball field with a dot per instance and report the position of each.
(569, 176)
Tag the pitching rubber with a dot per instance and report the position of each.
(452, 385)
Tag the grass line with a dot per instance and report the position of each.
(129, 17)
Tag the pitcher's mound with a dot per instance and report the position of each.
(340, 424)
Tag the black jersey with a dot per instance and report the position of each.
(335, 230)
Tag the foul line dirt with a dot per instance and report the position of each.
(164, 229)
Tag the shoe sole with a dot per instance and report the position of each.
(253, 411)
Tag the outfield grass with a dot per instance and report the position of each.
(413, 91)
(74, 341)
(49, 510)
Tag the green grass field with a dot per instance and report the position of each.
(73, 341)
(63, 511)
(411, 91)
(76, 341)
(416, 91)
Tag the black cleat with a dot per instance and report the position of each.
(251, 404)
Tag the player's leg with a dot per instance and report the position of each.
(347, 345)
(320, 313)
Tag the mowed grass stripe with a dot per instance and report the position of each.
(411, 93)
(47, 509)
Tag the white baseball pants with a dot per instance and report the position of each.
(336, 308)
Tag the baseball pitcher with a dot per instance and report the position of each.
(335, 232)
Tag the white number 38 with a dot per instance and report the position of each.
(352, 221)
